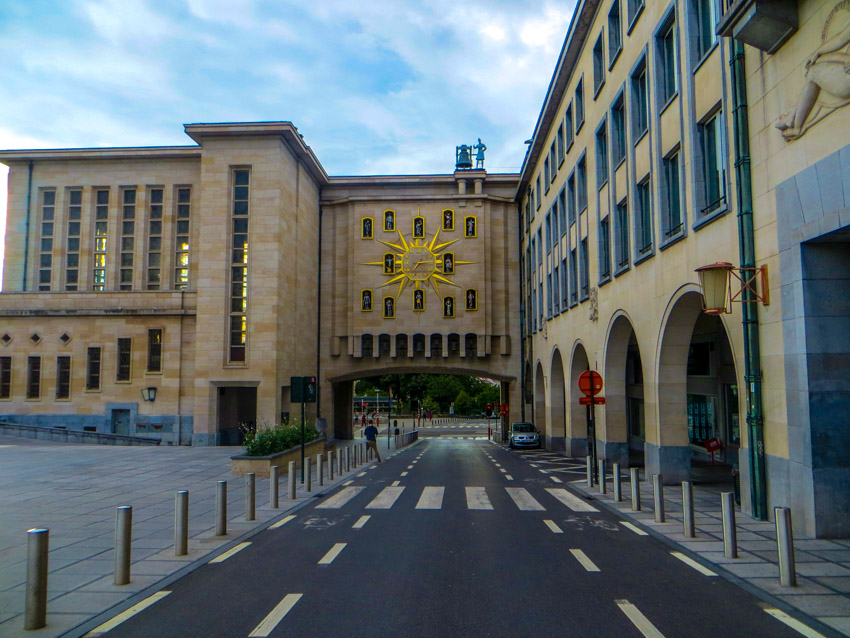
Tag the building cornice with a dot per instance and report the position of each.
(10, 157)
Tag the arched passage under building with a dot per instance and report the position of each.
(557, 436)
(624, 428)
(576, 440)
(540, 400)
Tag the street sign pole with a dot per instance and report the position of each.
(302, 441)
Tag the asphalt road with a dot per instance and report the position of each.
(453, 537)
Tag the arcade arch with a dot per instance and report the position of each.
(557, 435)
(576, 440)
(624, 408)
(540, 400)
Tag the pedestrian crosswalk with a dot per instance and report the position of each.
(481, 498)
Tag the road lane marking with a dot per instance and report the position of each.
(509, 477)
(503, 470)
(570, 500)
(534, 465)
(275, 616)
(498, 465)
(112, 623)
(476, 499)
(556, 479)
(410, 467)
(553, 526)
(361, 522)
(582, 558)
(340, 498)
(403, 474)
(396, 483)
(690, 562)
(795, 624)
(634, 528)
(639, 620)
(524, 501)
(431, 499)
(348, 483)
(282, 522)
(386, 499)
(328, 558)
(361, 474)
(230, 552)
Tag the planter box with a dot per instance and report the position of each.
(241, 465)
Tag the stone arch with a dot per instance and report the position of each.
(418, 344)
(556, 438)
(470, 344)
(540, 399)
(624, 407)
(384, 342)
(576, 443)
(454, 343)
(436, 345)
(401, 345)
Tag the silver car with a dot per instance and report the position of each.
(524, 435)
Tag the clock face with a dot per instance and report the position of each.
(418, 263)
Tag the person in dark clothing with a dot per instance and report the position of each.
(371, 434)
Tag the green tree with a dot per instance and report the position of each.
(464, 404)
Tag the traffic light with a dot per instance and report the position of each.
(488, 410)
(364, 405)
(310, 389)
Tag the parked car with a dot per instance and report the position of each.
(524, 434)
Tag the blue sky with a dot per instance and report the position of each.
(386, 87)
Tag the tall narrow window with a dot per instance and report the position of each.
(155, 350)
(618, 131)
(553, 162)
(128, 232)
(635, 7)
(571, 199)
(565, 293)
(598, 64)
(540, 247)
(239, 266)
(581, 184)
(560, 142)
(539, 199)
(549, 232)
(101, 215)
(615, 32)
(45, 258)
(605, 248)
(33, 377)
(622, 235)
(585, 269)
(122, 371)
(665, 44)
(579, 101)
(640, 104)
(93, 368)
(72, 245)
(562, 211)
(713, 163)
(63, 377)
(644, 218)
(568, 127)
(181, 255)
(601, 156)
(556, 290)
(573, 277)
(5, 377)
(706, 14)
(546, 177)
(549, 300)
(154, 275)
(672, 197)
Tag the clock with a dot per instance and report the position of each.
(418, 263)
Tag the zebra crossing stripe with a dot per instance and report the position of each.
(570, 500)
(524, 501)
(476, 499)
(431, 498)
(386, 499)
(340, 498)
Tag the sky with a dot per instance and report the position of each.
(375, 87)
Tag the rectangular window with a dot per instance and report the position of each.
(48, 214)
(238, 318)
(33, 377)
(154, 248)
(635, 7)
(640, 103)
(672, 197)
(547, 178)
(556, 291)
(554, 239)
(665, 45)
(598, 64)
(539, 198)
(571, 199)
(532, 207)
(181, 244)
(72, 247)
(581, 183)
(562, 211)
(540, 304)
(601, 156)
(122, 371)
(621, 239)
(712, 141)
(615, 32)
(93, 369)
(5, 377)
(618, 131)
(605, 248)
(568, 127)
(585, 270)
(549, 303)
(573, 278)
(63, 377)
(128, 229)
(553, 162)
(549, 232)
(155, 350)
(101, 217)
(564, 284)
(579, 101)
(643, 231)
(561, 143)
(540, 247)
(704, 27)
(533, 310)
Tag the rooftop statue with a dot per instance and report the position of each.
(479, 155)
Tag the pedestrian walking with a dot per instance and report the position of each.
(371, 434)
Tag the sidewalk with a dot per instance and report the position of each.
(73, 491)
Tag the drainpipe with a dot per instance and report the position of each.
(27, 230)
(522, 311)
(746, 243)
(319, 324)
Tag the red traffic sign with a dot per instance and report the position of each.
(591, 400)
(712, 445)
(590, 382)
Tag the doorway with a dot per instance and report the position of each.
(120, 422)
(237, 410)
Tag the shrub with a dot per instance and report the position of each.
(271, 440)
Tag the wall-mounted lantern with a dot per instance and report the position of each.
(715, 283)
(149, 394)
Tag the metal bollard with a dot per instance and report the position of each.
(363, 452)
(589, 471)
(339, 462)
(308, 474)
(290, 479)
(38, 547)
(688, 509)
(658, 495)
(785, 547)
(181, 523)
(123, 542)
(618, 488)
(330, 465)
(320, 472)
(221, 508)
(348, 459)
(634, 476)
(274, 487)
(730, 532)
(603, 485)
(250, 496)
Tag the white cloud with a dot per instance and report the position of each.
(120, 20)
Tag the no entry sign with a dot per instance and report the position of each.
(590, 383)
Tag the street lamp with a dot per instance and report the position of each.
(715, 283)
(149, 394)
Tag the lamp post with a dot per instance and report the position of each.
(149, 394)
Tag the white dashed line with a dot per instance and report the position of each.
(282, 522)
(795, 624)
(556, 479)
(553, 526)
(112, 623)
(230, 552)
(692, 563)
(361, 522)
(347, 483)
(328, 558)
(396, 483)
(361, 474)
(403, 474)
(639, 620)
(386, 499)
(275, 616)
(431, 498)
(634, 528)
(582, 558)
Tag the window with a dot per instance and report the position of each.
(665, 45)
(33, 377)
(128, 226)
(571, 199)
(63, 377)
(553, 163)
(101, 215)
(540, 304)
(635, 8)
(568, 127)
(643, 221)
(72, 246)
(539, 199)
(155, 350)
(581, 183)
(5, 377)
(549, 304)
(556, 289)
(618, 131)
(706, 20)
(605, 248)
(579, 104)
(540, 247)
(640, 104)
(701, 418)
(181, 246)
(621, 238)
(712, 142)
(672, 202)
(122, 372)
(549, 232)
(154, 275)
(573, 277)
(598, 65)
(547, 178)
(48, 208)
(238, 318)
(585, 271)
(93, 369)
(562, 211)
(564, 284)
(615, 33)
(560, 140)
(601, 156)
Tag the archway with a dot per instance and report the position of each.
(576, 442)
(557, 436)
(624, 409)
(540, 400)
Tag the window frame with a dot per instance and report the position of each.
(60, 372)
(634, 9)
(150, 352)
(704, 211)
(622, 237)
(643, 220)
(639, 70)
(619, 105)
(668, 25)
(614, 54)
(598, 54)
(669, 233)
(33, 368)
(91, 374)
(579, 102)
(124, 360)
(604, 164)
